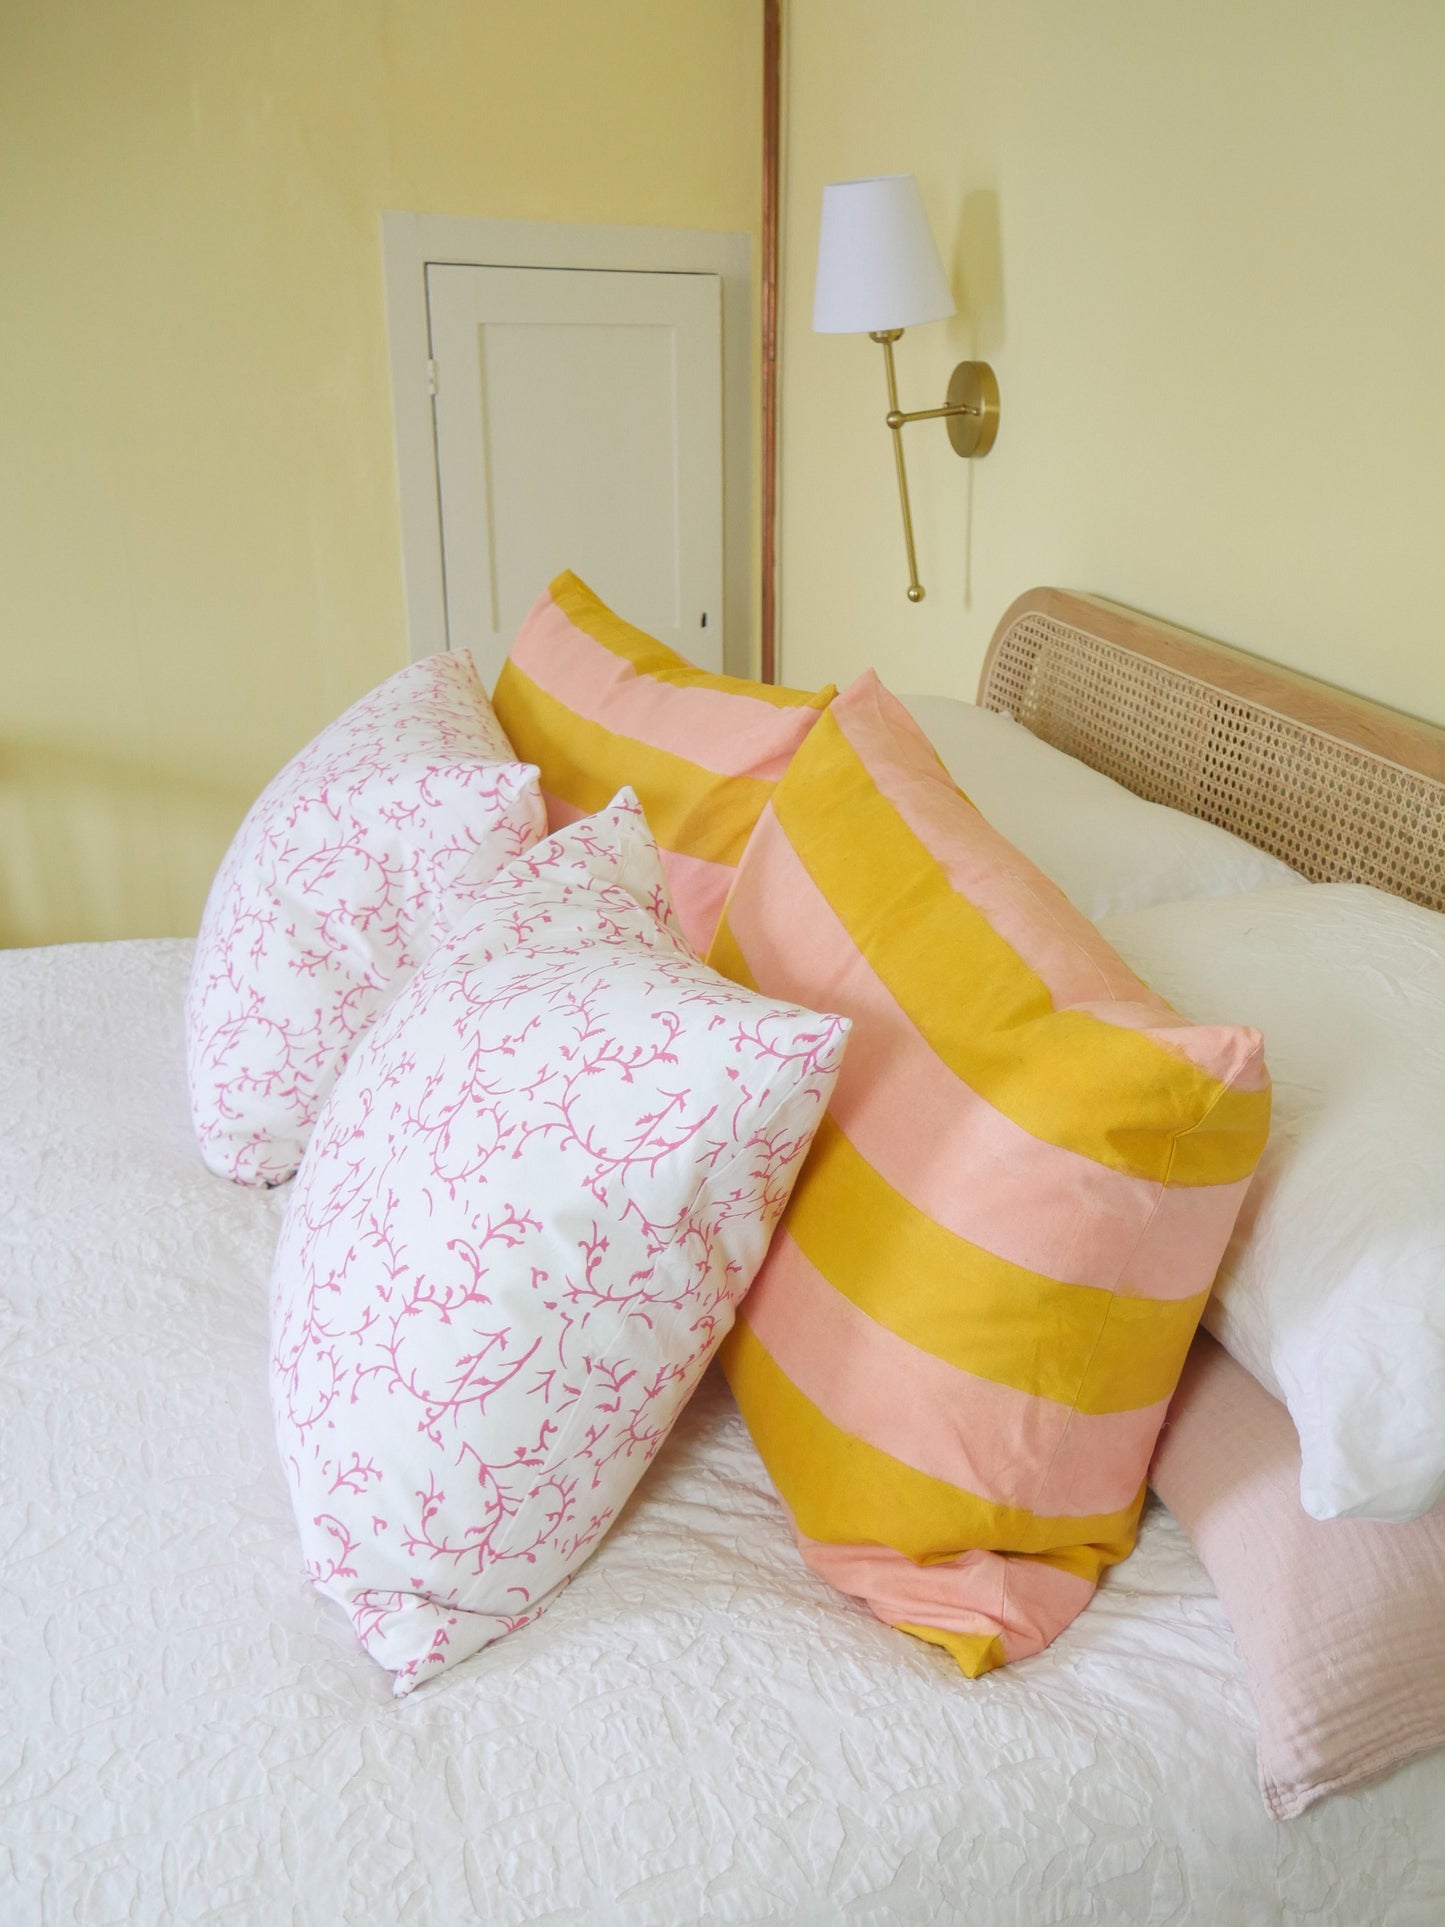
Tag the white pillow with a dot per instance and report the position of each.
(1107, 849)
(349, 866)
(1332, 1291)
(525, 1217)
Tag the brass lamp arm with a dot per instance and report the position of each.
(896, 417)
(888, 337)
(972, 379)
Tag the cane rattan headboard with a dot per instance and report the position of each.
(1341, 788)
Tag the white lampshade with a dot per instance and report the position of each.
(878, 266)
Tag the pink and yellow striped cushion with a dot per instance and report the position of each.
(598, 706)
(958, 1353)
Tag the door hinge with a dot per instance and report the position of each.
(431, 377)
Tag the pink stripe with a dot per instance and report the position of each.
(698, 888)
(990, 1440)
(1023, 1601)
(560, 812)
(726, 731)
(945, 1148)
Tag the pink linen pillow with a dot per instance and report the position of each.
(353, 862)
(1341, 1622)
(526, 1215)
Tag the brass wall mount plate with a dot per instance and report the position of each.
(973, 385)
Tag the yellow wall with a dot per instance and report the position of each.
(199, 549)
(1202, 243)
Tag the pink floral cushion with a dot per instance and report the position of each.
(527, 1213)
(350, 866)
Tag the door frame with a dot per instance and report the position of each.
(410, 242)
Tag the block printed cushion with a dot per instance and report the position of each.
(351, 864)
(529, 1208)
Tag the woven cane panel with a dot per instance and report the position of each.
(1333, 811)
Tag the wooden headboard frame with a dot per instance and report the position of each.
(1343, 789)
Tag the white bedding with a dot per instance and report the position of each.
(697, 1730)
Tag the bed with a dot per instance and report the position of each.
(698, 1729)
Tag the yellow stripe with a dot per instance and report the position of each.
(976, 1653)
(1073, 1343)
(689, 809)
(845, 1492)
(649, 657)
(1056, 1073)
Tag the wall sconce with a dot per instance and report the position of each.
(879, 273)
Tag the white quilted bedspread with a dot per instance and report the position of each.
(696, 1731)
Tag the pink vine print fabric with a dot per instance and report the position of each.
(352, 864)
(526, 1216)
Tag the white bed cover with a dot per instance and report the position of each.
(698, 1730)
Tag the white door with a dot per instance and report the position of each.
(579, 426)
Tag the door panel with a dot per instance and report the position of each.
(579, 425)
